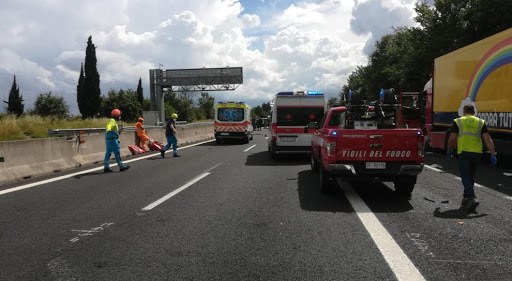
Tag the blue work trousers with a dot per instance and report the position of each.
(171, 141)
(468, 162)
(112, 147)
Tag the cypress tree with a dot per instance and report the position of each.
(92, 91)
(15, 103)
(80, 91)
(140, 95)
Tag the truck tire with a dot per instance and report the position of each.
(326, 182)
(405, 185)
(273, 154)
(217, 140)
(427, 145)
(313, 162)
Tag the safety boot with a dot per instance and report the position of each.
(469, 205)
(124, 168)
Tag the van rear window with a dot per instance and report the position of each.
(230, 114)
(297, 116)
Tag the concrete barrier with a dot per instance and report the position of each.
(31, 158)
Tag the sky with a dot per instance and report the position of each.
(280, 44)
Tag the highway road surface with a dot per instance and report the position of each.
(228, 212)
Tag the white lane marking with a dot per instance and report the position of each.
(397, 260)
(433, 169)
(488, 189)
(21, 187)
(250, 148)
(166, 197)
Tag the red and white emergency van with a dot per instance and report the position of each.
(289, 118)
(233, 121)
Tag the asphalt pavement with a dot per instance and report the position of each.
(228, 212)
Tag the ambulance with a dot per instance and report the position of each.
(233, 121)
(290, 121)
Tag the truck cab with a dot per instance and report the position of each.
(362, 143)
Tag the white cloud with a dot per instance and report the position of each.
(312, 44)
(377, 18)
(250, 21)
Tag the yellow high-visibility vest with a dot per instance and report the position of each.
(469, 138)
(112, 125)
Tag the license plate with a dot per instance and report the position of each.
(224, 134)
(376, 165)
(287, 139)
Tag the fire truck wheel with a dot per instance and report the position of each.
(273, 154)
(405, 185)
(326, 182)
(314, 163)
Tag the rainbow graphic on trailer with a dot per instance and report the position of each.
(498, 56)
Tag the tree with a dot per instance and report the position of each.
(15, 102)
(80, 91)
(126, 101)
(266, 108)
(332, 102)
(90, 99)
(404, 59)
(185, 107)
(47, 104)
(257, 112)
(206, 103)
(140, 95)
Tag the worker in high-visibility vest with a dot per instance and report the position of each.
(466, 139)
(141, 133)
(112, 142)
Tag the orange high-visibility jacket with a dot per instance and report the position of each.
(141, 132)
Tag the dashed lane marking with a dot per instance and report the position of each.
(249, 148)
(180, 189)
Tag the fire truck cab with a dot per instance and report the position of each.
(291, 114)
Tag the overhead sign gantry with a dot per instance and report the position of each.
(190, 80)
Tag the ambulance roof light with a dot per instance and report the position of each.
(315, 93)
(285, 94)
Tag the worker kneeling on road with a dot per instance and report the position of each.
(112, 142)
(141, 134)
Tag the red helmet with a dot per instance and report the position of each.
(115, 112)
(140, 119)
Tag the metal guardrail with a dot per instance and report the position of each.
(74, 132)
(90, 131)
